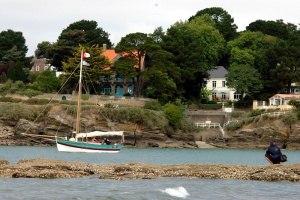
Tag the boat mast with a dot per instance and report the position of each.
(79, 96)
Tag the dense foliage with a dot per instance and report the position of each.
(262, 60)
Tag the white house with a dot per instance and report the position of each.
(280, 101)
(217, 83)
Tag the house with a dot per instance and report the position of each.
(283, 99)
(280, 101)
(40, 65)
(115, 84)
(217, 83)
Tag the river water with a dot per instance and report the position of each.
(164, 188)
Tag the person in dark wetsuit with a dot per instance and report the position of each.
(273, 154)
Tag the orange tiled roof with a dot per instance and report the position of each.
(288, 96)
(111, 55)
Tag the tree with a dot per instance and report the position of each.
(11, 73)
(197, 47)
(275, 28)
(97, 68)
(42, 49)
(287, 70)
(3, 77)
(12, 47)
(244, 78)
(255, 50)
(133, 48)
(223, 21)
(161, 76)
(289, 119)
(157, 35)
(85, 33)
(283, 57)
(47, 82)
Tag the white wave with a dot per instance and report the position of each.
(176, 192)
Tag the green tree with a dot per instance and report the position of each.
(12, 47)
(197, 47)
(47, 82)
(11, 73)
(275, 28)
(97, 68)
(254, 49)
(3, 77)
(42, 49)
(223, 21)
(289, 120)
(84, 32)
(287, 70)
(133, 48)
(244, 78)
(161, 76)
(283, 57)
(158, 34)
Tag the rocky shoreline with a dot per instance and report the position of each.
(51, 168)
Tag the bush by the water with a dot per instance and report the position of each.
(237, 114)
(17, 111)
(153, 105)
(173, 113)
(256, 112)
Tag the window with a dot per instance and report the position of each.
(37, 68)
(214, 95)
(236, 95)
(223, 83)
(214, 84)
(223, 96)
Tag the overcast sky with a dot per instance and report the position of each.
(44, 20)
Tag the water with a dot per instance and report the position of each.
(164, 188)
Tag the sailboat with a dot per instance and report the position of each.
(82, 142)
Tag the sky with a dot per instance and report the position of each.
(44, 20)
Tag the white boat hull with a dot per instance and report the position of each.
(77, 147)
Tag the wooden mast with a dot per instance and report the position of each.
(79, 96)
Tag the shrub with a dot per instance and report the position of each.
(108, 105)
(234, 126)
(256, 112)
(237, 114)
(210, 106)
(29, 92)
(6, 99)
(35, 101)
(16, 111)
(187, 125)
(153, 105)
(172, 113)
(85, 97)
(127, 94)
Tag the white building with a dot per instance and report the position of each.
(217, 83)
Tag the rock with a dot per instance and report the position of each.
(51, 168)
(4, 162)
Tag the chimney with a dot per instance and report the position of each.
(104, 47)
